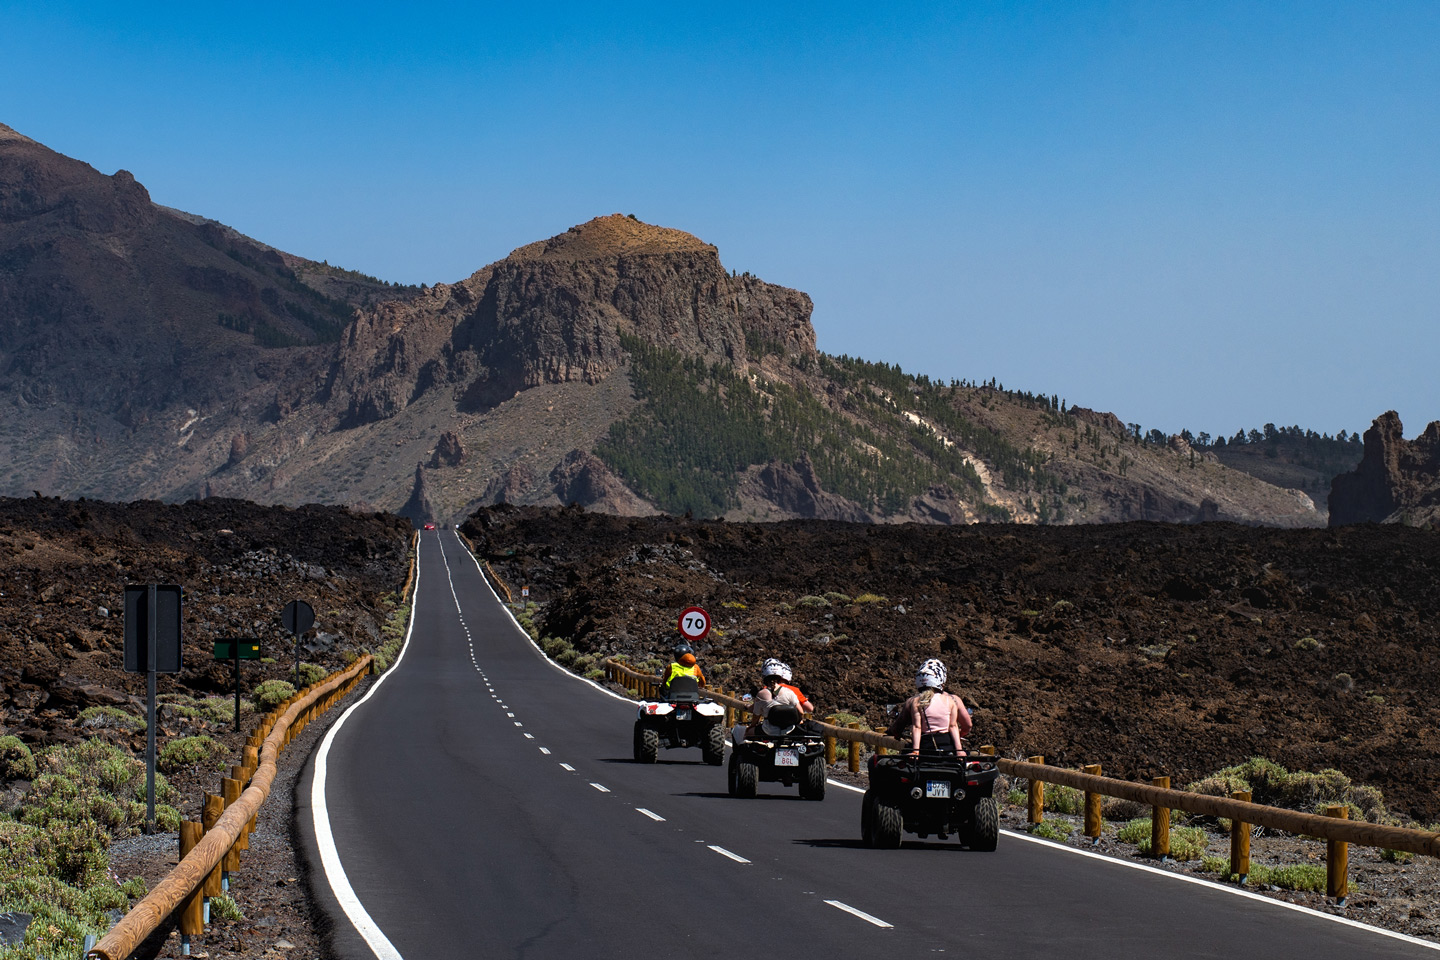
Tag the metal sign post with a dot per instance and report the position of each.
(152, 646)
(298, 617)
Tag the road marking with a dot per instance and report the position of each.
(860, 913)
(726, 853)
(529, 736)
(568, 767)
(651, 814)
(599, 786)
(545, 750)
(519, 724)
(510, 715)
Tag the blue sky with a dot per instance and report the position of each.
(1209, 215)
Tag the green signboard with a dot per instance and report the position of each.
(225, 650)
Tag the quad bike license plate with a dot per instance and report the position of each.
(789, 757)
(682, 714)
(939, 789)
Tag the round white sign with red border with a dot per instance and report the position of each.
(694, 623)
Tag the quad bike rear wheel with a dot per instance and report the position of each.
(985, 830)
(747, 778)
(812, 780)
(647, 744)
(712, 748)
(889, 823)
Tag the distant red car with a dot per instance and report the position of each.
(429, 526)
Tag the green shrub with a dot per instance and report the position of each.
(272, 693)
(224, 907)
(188, 752)
(1053, 829)
(1299, 876)
(1062, 799)
(16, 760)
(1017, 797)
(1186, 843)
(1266, 777)
(1308, 643)
(733, 605)
(837, 598)
(164, 792)
(222, 709)
(595, 673)
(1396, 856)
(1212, 864)
(167, 818)
(1306, 791)
(111, 717)
(870, 598)
(311, 674)
(1219, 785)
(810, 600)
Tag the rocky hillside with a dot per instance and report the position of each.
(1397, 481)
(149, 353)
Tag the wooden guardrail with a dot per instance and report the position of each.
(195, 876)
(1334, 826)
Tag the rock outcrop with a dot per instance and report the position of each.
(794, 489)
(512, 486)
(449, 451)
(418, 509)
(1397, 481)
(555, 312)
(581, 478)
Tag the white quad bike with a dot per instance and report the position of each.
(682, 718)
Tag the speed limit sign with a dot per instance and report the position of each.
(694, 623)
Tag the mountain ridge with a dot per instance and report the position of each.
(150, 353)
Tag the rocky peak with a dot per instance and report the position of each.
(418, 509)
(557, 311)
(1397, 481)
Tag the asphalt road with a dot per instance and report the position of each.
(483, 803)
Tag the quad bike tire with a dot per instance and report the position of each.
(747, 779)
(888, 827)
(712, 748)
(985, 830)
(812, 780)
(867, 818)
(647, 744)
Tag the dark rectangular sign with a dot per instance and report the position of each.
(167, 628)
(225, 650)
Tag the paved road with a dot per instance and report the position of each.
(483, 804)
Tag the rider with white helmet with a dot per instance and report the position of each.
(936, 720)
(775, 687)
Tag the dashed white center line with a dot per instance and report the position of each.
(519, 724)
(568, 767)
(651, 814)
(601, 787)
(859, 913)
(545, 750)
(529, 736)
(726, 853)
(510, 715)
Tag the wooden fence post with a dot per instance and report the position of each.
(214, 806)
(1337, 859)
(853, 760)
(230, 790)
(1240, 842)
(988, 750)
(1037, 794)
(1160, 824)
(192, 908)
(830, 749)
(1093, 825)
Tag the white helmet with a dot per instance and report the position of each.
(931, 674)
(774, 668)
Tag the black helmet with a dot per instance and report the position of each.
(683, 648)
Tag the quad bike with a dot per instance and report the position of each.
(794, 755)
(931, 793)
(682, 718)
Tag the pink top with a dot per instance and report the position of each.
(935, 718)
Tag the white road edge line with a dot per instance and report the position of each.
(726, 853)
(861, 914)
(1223, 888)
(651, 814)
(600, 786)
(360, 919)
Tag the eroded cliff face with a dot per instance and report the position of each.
(555, 312)
(1397, 481)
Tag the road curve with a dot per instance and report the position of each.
(482, 803)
